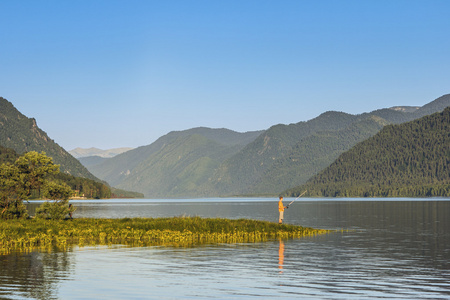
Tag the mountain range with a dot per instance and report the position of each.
(205, 162)
(404, 160)
(176, 164)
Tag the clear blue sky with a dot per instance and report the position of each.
(123, 73)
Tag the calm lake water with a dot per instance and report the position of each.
(395, 249)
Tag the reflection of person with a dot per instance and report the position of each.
(281, 256)
(281, 208)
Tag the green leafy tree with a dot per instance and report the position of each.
(57, 191)
(59, 208)
(11, 193)
(30, 172)
(34, 169)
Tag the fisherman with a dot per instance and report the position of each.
(70, 210)
(281, 208)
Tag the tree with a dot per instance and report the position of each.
(59, 208)
(29, 173)
(12, 193)
(34, 168)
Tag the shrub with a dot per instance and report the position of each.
(55, 210)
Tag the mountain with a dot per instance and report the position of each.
(22, 134)
(90, 161)
(175, 165)
(437, 105)
(265, 163)
(407, 160)
(81, 152)
(312, 154)
(288, 155)
(7, 155)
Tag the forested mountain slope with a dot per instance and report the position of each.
(239, 173)
(175, 165)
(22, 134)
(91, 160)
(287, 155)
(406, 160)
(257, 163)
(312, 154)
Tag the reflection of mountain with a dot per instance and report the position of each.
(34, 275)
(385, 233)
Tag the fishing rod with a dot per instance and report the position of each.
(296, 198)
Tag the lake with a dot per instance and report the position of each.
(389, 248)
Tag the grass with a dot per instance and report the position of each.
(31, 234)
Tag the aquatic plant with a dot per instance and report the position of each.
(27, 235)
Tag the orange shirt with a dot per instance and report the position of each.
(280, 205)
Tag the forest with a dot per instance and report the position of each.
(406, 160)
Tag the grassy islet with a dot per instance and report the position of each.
(32, 234)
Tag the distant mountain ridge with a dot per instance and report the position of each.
(312, 154)
(403, 160)
(276, 160)
(204, 162)
(22, 134)
(82, 152)
(176, 164)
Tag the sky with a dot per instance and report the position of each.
(111, 74)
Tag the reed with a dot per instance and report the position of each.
(31, 234)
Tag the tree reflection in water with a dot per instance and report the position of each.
(34, 275)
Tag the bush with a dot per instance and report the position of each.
(55, 210)
(13, 210)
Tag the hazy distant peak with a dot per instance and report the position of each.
(83, 152)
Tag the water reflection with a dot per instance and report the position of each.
(33, 275)
(393, 249)
(281, 256)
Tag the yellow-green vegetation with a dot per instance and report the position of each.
(31, 234)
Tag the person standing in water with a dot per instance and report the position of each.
(281, 208)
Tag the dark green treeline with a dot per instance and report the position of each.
(407, 160)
